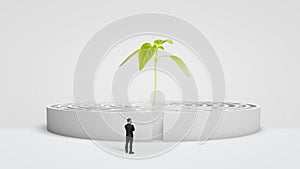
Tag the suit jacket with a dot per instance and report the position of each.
(129, 130)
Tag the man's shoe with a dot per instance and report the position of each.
(126, 152)
(131, 152)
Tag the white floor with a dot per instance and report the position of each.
(36, 148)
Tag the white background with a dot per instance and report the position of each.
(257, 42)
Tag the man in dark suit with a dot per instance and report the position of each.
(129, 135)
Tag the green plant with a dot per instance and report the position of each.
(146, 52)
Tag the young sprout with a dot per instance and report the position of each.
(147, 51)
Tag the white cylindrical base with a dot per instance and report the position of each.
(95, 122)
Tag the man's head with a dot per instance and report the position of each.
(129, 120)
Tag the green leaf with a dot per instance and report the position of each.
(181, 64)
(169, 41)
(160, 42)
(146, 46)
(161, 47)
(144, 57)
(132, 54)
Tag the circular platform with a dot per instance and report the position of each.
(106, 121)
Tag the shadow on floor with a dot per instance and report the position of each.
(42, 129)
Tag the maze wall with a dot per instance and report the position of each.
(168, 121)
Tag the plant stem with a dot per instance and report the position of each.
(154, 94)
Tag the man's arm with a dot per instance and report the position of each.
(133, 129)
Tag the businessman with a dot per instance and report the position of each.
(129, 136)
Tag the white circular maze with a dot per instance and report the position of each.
(171, 121)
